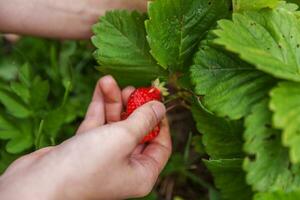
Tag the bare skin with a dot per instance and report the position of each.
(65, 19)
(104, 160)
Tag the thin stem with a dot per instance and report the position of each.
(52, 139)
(172, 98)
(172, 107)
(67, 92)
(39, 135)
(197, 180)
(186, 154)
(177, 105)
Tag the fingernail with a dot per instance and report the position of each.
(129, 88)
(107, 78)
(159, 110)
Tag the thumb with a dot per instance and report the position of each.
(144, 119)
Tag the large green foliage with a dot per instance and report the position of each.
(269, 39)
(285, 104)
(268, 165)
(229, 85)
(122, 47)
(175, 27)
(230, 178)
(223, 142)
(221, 137)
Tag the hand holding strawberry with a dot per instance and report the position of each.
(144, 95)
(105, 150)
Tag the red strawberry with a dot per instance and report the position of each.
(141, 96)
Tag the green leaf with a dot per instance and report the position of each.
(3, 84)
(26, 75)
(176, 164)
(197, 143)
(294, 1)
(21, 90)
(269, 39)
(19, 144)
(290, 5)
(55, 119)
(13, 104)
(176, 26)
(244, 5)
(285, 102)
(8, 129)
(122, 48)
(214, 194)
(279, 195)
(229, 85)
(222, 138)
(268, 166)
(184, 82)
(8, 69)
(39, 92)
(23, 141)
(230, 178)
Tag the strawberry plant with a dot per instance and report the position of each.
(235, 65)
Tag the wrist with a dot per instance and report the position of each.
(70, 19)
(28, 178)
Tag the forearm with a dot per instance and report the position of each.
(70, 19)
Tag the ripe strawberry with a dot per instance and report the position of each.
(141, 96)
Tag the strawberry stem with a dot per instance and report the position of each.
(161, 86)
